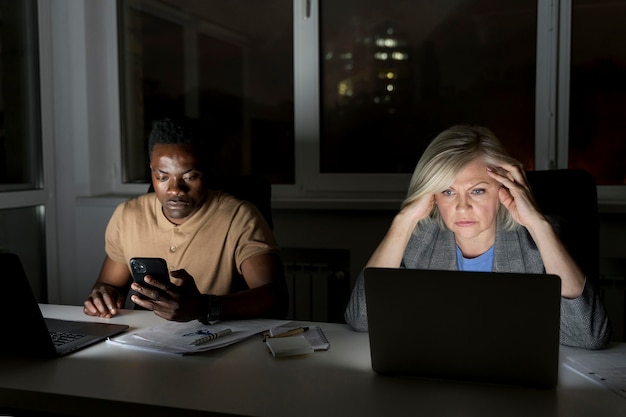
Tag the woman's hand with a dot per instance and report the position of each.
(516, 194)
(416, 210)
(390, 250)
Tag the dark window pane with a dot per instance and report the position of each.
(395, 73)
(20, 145)
(597, 140)
(230, 64)
(22, 232)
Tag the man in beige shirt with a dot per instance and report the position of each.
(211, 241)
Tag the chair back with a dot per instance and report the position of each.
(568, 197)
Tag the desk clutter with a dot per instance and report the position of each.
(281, 336)
(287, 340)
(193, 337)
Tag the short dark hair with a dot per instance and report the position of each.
(180, 131)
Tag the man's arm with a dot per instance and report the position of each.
(267, 295)
(109, 292)
(181, 300)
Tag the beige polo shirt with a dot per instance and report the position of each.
(210, 246)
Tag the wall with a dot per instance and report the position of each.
(359, 231)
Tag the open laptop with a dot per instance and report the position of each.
(483, 327)
(27, 333)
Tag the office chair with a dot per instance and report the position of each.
(257, 190)
(568, 198)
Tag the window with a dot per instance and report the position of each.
(20, 148)
(229, 64)
(597, 112)
(337, 100)
(23, 199)
(21, 232)
(394, 74)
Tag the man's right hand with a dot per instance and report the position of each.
(104, 301)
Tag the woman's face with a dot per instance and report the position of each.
(469, 207)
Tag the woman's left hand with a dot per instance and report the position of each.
(515, 193)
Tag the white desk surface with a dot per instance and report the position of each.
(244, 379)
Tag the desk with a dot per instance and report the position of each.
(244, 379)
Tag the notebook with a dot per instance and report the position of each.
(27, 333)
(474, 326)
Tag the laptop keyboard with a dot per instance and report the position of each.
(62, 338)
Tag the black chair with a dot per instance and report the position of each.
(568, 197)
(256, 190)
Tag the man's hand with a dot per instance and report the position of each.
(177, 302)
(104, 301)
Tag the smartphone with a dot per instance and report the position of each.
(155, 267)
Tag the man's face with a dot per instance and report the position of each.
(177, 181)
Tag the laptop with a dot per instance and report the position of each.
(472, 326)
(27, 333)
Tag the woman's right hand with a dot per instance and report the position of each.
(417, 210)
(391, 249)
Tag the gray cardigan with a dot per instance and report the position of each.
(584, 322)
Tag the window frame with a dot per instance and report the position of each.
(313, 189)
(42, 196)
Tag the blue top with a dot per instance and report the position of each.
(482, 263)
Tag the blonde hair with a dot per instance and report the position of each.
(447, 155)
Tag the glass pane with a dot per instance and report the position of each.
(396, 73)
(230, 64)
(20, 147)
(22, 232)
(597, 123)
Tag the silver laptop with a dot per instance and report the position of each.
(474, 326)
(27, 333)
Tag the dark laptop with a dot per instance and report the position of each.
(26, 332)
(473, 326)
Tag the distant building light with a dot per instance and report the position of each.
(390, 87)
(381, 56)
(399, 56)
(387, 75)
(386, 42)
(344, 88)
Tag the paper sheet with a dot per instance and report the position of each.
(175, 337)
(609, 369)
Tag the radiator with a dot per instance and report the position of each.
(318, 283)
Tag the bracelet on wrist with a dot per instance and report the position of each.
(214, 308)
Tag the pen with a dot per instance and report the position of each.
(292, 332)
(211, 336)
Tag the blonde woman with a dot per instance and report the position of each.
(469, 207)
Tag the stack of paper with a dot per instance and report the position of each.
(288, 346)
(193, 336)
(287, 340)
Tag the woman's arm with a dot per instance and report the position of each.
(388, 253)
(517, 197)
